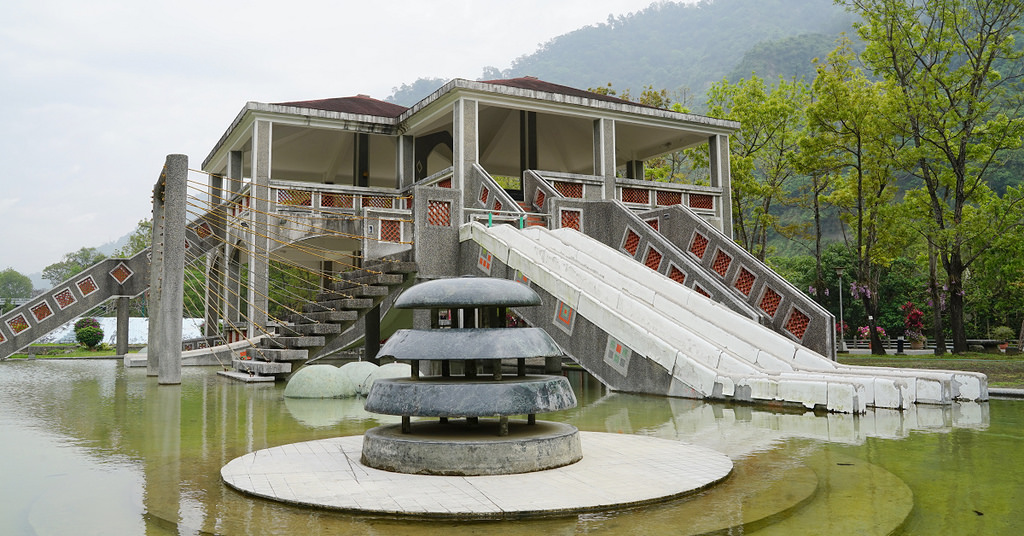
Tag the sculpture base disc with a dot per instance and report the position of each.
(458, 448)
(617, 471)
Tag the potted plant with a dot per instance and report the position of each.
(1003, 334)
(913, 325)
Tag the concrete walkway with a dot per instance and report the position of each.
(616, 471)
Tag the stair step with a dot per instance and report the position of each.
(275, 354)
(245, 376)
(355, 292)
(371, 279)
(337, 317)
(260, 367)
(316, 329)
(293, 342)
(337, 305)
(392, 267)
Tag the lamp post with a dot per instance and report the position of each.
(842, 341)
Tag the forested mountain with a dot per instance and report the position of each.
(680, 47)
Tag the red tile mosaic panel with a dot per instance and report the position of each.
(702, 201)
(295, 198)
(203, 230)
(669, 198)
(485, 261)
(64, 298)
(445, 183)
(18, 324)
(439, 213)
(631, 242)
(572, 219)
(539, 201)
(484, 193)
(337, 201)
(376, 201)
(41, 311)
(745, 282)
(497, 205)
(121, 273)
(699, 245)
(390, 231)
(770, 302)
(653, 223)
(635, 195)
(676, 274)
(722, 262)
(700, 290)
(797, 323)
(87, 286)
(2, 338)
(653, 259)
(569, 189)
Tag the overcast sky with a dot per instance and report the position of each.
(94, 95)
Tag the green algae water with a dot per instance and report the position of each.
(90, 447)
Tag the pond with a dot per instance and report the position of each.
(93, 448)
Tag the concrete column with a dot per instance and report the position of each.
(604, 155)
(406, 165)
(259, 266)
(721, 176)
(527, 141)
(361, 162)
(122, 325)
(635, 170)
(213, 300)
(465, 150)
(173, 270)
(156, 270)
(231, 288)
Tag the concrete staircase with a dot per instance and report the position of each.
(349, 300)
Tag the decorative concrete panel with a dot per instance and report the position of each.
(121, 273)
(630, 242)
(797, 323)
(568, 189)
(637, 196)
(770, 301)
(565, 317)
(573, 219)
(653, 258)
(702, 201)
(337, 201)
(675, 274)
(722, 262)
(18, 323)
(745, 281)
(439, 213)
(390, 231)
(665, 198)
(617, 355)
(294, 198)
(377, 201)
(699, 245)
(41, 311)
(203, 230)
(87, 286)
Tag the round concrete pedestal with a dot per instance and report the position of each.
(480, 396)
(458, 448)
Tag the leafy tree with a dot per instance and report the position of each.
(71, 264)
(14, 284)
(958, 73)
(140, 239)
(853, 136)
(762, 154)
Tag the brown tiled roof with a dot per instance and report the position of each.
(536, 84)
(360, 104)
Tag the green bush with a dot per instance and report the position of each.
(88, 332)
(1003, 333)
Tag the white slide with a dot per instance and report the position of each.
(705, 346)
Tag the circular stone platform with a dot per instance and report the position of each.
(457, 448)
(616, 471)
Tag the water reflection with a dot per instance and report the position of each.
(93, 448)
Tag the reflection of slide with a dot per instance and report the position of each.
(708, 349)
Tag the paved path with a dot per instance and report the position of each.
(617, 470)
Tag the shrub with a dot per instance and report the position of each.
(1003, 333)
(88, 332)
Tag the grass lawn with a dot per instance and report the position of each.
(44, 351)
(1002, 370)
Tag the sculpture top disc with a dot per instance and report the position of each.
(464, 292)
